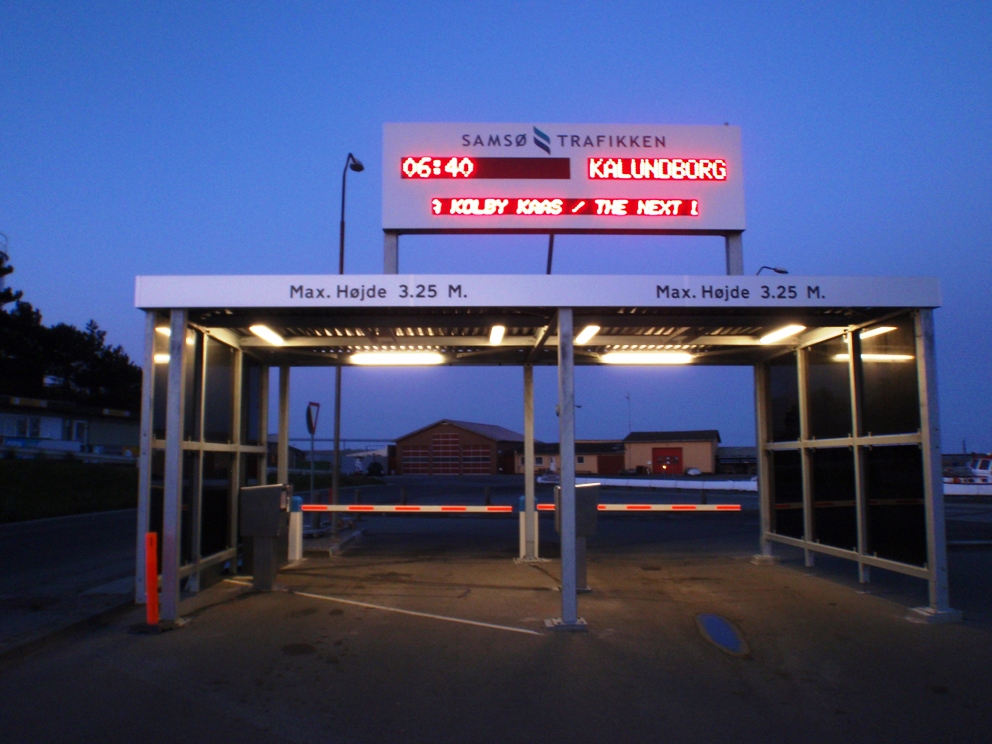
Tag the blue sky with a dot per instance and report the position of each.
(141, 138)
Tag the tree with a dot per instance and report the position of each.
(61, 362)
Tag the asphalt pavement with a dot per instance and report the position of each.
(55, 573)
(427, 630)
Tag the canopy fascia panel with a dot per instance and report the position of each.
(719, 320)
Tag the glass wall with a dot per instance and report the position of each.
(890, 385)
(872, 463)
(829, 389)
(834, 507)
(787, 493)
(896, 510)
(217, 456)
(783, 383)
(218, 404)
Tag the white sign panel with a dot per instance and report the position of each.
(474, 290)
(542, 177)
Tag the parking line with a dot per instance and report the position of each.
(414, 613)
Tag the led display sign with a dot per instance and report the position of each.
(562, 178)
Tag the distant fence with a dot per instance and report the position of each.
(692, 484)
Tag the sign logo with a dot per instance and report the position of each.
(542, 140)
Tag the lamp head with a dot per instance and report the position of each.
(355, 164)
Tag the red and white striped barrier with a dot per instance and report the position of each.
(407, 509)
(656, 507)
(448, 509)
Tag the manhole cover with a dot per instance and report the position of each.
(723, 634)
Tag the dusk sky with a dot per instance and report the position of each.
(181, 138)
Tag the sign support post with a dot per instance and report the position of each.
(569, 619)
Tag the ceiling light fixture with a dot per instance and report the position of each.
(877, 331)
(646, 357)
(877, 357)
(587, 333)
(496, 335)
(397, 358)
(785, 332)
(267, 334)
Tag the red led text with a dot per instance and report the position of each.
(657, 169)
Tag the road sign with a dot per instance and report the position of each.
(562, 177)
(313, 411)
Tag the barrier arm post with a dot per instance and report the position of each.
(296, 529)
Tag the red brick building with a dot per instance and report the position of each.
(449, 447)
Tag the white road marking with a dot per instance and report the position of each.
(416, 614)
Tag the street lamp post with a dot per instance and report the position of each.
(353, 163)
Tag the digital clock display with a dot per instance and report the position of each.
(555, 207)
(428, 166)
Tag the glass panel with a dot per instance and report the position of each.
(829, 392)
(160, 378)
(215, 506)
(156, 502)
(835, 520)
(191, 466)
(890, 398)
(787, 493)
(251, 401)
(253, 470)
(218, 407)
(194, 377)
(896, 512)
(783, 396)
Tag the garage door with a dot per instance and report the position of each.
(445, 451)
(477, 459)
(416, 460)
(666, 460)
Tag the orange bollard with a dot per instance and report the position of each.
(151, 578)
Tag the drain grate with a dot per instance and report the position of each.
(723, 634)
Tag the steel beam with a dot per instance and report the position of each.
(802, 367)
(145, 454)
(282, 453)
(391, 252)
(761, 436)
(734, 248)
(173, 492)
(530, 546)
(933, 482)
(566, 436)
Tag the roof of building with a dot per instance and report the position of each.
(581, 448)
(18, 404)
(736, 453)
(698, 435)
(490, 431)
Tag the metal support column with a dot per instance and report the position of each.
(801, 364)
(761, 436)
(569, 619)
(933, 482)
(530, 548)
(263, 425)
(145, 454)
(336, 465)
(734, 247)
(173, 495)
(860, 503)
(282, 452)
(236, 467)
(391, 252)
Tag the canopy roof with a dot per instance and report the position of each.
(718, 320)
